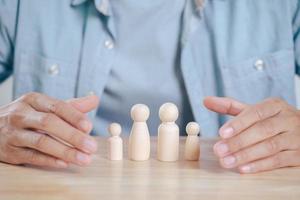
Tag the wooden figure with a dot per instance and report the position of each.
(168, 133)
(115, 142)
(192, 146)
(139, 139)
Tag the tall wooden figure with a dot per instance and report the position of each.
(168, 133)
(115, 143)
(192, 146)
(139, 139)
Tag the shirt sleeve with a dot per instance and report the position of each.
(296, 29)
(8, 13)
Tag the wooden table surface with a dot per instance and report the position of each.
(151, 179)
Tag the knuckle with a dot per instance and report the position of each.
(272, 146)
(7, 128)
(8, 149)
(14, 118)
(243, 156)
(73, 116)
(4, 123)
(267, 128)
(276, 101)
(48, 161)
(259, 113)
(46, 119)
(13, 138)
(19, 106)
(11, 155)
(68, 154)
(237, 124)
(41, 141)
(29, 96)
(57, 106)
(276, 161)
(236, 144)
(32, 156)
(74, 138)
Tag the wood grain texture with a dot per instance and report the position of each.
(152, 179)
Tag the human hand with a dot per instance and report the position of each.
(260, 137)
(39, 130)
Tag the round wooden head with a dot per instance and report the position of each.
(168, 112)
(115, 129)
(140, 113)
(192, 128)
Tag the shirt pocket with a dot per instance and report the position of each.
(257, 78)
(53, 77)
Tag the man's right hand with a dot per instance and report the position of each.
(39, 130)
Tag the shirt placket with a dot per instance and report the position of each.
(98, 49)
(192, 21)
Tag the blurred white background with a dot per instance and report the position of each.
(6, 91)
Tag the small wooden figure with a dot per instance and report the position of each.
(192, 146)
(115, 142)
(168, 133)
(139, 139)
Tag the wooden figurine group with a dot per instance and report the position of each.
(167, 141)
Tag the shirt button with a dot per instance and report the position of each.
(90, 93)
(53, 69)
(109, 44)
(259, 65)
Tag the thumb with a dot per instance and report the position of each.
(224, 105)
(85, 104)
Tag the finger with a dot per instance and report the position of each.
(251, 115)
(254, 134)
(58, 128)
(282, 159)
(43, 103)
(33, 157)
(46, 144)
(261, 150)
(224, 105)
(85, 104)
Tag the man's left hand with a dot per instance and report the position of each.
(260, 137)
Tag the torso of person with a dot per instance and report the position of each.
(162, 51)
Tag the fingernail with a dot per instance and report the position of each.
(61, 164)
(246, 169)
(226, 132)
(85, 125)
(90, 145)
(229, 161)
(221, 148)
(83, 158)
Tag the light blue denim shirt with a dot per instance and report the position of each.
(246, 49)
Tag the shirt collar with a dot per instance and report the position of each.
(103, 5)
(77, 2)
